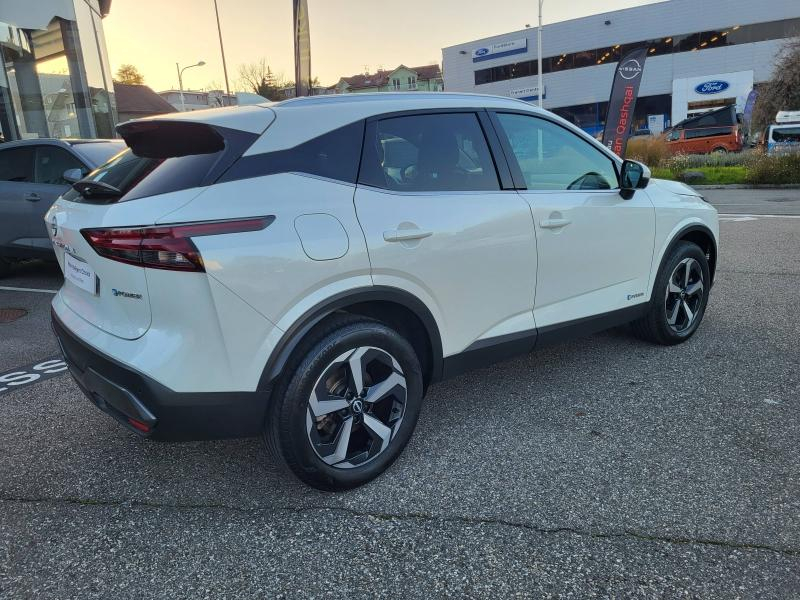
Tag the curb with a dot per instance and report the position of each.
(744, 186)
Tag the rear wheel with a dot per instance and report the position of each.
(720, 150)
(679, 297)
(348, 406)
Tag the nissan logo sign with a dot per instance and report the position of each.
(712, 87)
(630, 69)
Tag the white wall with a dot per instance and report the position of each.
(653, 21)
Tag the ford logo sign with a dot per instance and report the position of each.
(712, 87)
(481, 51)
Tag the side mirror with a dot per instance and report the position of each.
(633, 176)
(73, 175)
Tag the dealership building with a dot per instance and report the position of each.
(55, 79)
(702, 54)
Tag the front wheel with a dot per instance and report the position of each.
(348, 406)
(679, 297)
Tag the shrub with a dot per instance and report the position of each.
(775, 169)
(678, 163)
(649, 150)
(681, 162)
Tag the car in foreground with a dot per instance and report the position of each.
(306, 270)
(33, 173)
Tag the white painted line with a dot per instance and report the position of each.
(19, 289)
(759, 216)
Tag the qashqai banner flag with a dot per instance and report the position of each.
(302, 49)
(621, 104)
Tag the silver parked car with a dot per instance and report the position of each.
(33, 173)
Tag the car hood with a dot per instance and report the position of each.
(676, 187)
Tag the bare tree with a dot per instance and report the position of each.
(782, 92)
(259, 78)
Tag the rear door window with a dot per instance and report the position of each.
(16, 164)
(428, 153)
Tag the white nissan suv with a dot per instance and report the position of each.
(305, 270)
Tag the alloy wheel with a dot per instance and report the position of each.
(356, 407)
(684, 295)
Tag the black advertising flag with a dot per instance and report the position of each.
(621, 104)
(302, 49)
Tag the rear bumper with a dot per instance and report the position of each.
(153, 410)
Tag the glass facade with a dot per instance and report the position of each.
(56, 81)
(592, 117)
(692, 42)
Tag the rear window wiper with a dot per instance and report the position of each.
(96, 189)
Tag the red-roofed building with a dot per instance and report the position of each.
(427, 78)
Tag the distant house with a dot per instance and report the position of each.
(402, 79)
(136, 101)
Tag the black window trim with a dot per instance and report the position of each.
(502, 171)
(274, 162)
(516, 171)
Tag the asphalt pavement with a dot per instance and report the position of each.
(605, 467)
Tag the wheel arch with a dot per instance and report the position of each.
(397, 308)
(696, 233)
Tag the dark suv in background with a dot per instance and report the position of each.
(33, 173)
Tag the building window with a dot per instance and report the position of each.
(57, 81)
(396, 84)
(412, 83)
(691, 42)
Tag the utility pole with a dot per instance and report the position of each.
(222, 51)
(539, 53)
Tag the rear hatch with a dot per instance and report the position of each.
(96, 226)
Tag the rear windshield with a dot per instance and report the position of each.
(98, 153)
(162, 158)
(137, 177)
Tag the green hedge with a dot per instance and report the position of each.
(750, 167)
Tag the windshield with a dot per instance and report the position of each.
(786, 134)
(97, 153)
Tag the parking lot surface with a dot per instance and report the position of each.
(605, 467)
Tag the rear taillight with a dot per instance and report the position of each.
(164, 247)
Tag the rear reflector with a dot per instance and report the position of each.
(143, 427)
(164, 247)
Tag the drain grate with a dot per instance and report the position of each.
(7, 315)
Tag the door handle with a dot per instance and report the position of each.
(554, 223)
(33, 197)
(402, 235)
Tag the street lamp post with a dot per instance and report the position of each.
(539, 54)
(180, 80)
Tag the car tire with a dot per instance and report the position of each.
(336, 429)
(679, 298)
(719, 150)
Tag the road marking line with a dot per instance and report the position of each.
(24, 376)
(21, 289)
(759, 216)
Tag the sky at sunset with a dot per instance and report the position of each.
(346, 35)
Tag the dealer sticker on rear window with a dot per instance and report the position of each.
(80, 273)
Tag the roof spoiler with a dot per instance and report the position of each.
(169, 139)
